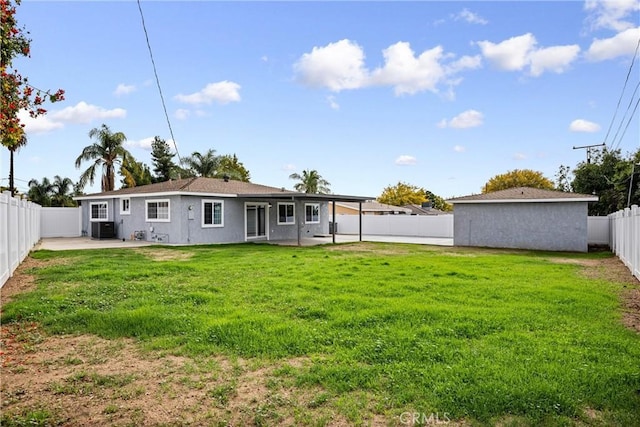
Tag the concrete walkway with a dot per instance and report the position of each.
(69, 243)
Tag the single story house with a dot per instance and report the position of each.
(425, 208)
(206, 210)
(522, 218)
(369, 207)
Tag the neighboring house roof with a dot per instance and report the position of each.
(420, 210)
(211, 187)
(524, 195)
(373, 206)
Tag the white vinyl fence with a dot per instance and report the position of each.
(625, 237)
(598, 232)
(60, 222)
(397, 225)
(19, 232)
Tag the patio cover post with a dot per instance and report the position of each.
(360, 219)
(333, 218)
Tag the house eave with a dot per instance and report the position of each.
(562, 200)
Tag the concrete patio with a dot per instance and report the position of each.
(70, 243)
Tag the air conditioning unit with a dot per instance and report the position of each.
(103, 230)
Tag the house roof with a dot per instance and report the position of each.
(212, 187)
(419, 210)
(524, 195)
(373, 206)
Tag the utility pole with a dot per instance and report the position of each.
(633, 171)
(589, 148)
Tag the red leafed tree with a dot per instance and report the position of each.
(17, 93)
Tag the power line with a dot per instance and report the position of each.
(624, 117)
(155, 72)
(621, 93)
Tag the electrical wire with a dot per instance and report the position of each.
(613, 141)
(155, 72)
(635, 55)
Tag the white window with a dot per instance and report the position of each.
(125, 206)
(99, 211)
(212, 213)
(158, 210)
(312, 213)
(286, 213)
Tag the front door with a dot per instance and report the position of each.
(256, 221)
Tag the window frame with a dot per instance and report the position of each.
(213, 202)
(293, 216)
(126, 211)
(106, 211)
(306, 213)
(157, 201)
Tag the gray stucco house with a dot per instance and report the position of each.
(206, 210)
(522, 218)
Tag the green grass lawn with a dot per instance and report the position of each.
(479, 335)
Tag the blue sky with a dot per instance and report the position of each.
(443, 95)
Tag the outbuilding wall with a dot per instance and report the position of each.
(557, 226)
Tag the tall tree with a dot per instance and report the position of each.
(403, 194)
(609, 176)
(518, 178)
(311, 182)
(438, 202)
(230, 166)
(61, 192)
(107, 153)
(40, 192)
(164, 168)
(17, 94)
(204, 165)
(134, 173)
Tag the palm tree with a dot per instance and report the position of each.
(205, 165)
(61, 190)
(13, 147)
(40, 192)
(107, 152)
(311, 182)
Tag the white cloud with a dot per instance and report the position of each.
(611, 14)
(521, 52)
(622, 44)
(222, 92)
(464, 120)
(511, 54)
(333, 103)
(340, 66)
(337, 66)
(470, 17)
(145, 143)
(40, 124)
(264, 58)
(407, 73)
(519, 156)
(405, 160)
(556, 59)
(86, 113)
(289, 167)
(182, 114)
(581, 125)
(124, 89)
(459, 149)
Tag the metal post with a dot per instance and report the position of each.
(360, 220)
(333, 218)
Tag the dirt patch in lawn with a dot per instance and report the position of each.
(369, 247)
(613, 270)
(22, 281)
(164, 254)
